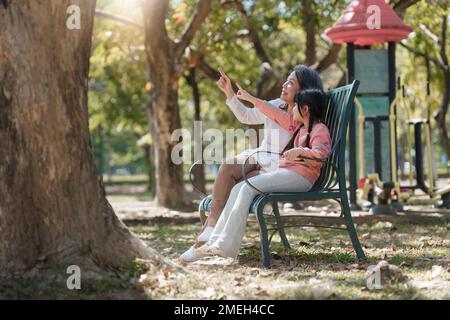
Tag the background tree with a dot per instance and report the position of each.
(428, 48)
(118, 87)
(164, 55)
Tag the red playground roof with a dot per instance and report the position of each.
(353, 25)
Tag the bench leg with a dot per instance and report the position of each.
(280, 226)
(264, 237)
(351, 229)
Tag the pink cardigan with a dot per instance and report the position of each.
(319, 141)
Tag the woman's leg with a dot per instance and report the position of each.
(230, 229)
(229, 175)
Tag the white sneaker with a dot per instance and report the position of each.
(207, 250)
(206, 234)
(190, 255)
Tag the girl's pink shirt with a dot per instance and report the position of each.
(320, 141)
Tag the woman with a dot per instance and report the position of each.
(312, 140)
(230, 172)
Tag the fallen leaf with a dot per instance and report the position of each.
(167, 271)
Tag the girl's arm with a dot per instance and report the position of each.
(277, 115)
(320, 142)
(280, 117)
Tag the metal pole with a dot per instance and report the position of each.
(392, 92)
(351, 129)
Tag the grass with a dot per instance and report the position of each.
(321, 265)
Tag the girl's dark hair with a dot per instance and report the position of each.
(315, 99)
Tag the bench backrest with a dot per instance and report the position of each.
(337, 115)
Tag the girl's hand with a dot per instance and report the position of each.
(293, 154)
(244, 95)
(224, 84)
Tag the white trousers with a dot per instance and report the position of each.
(230, 228)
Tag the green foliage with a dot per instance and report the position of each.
(117, 97)
(412, 68)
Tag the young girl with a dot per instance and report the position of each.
(312, 140)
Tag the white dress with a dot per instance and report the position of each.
(275, 137)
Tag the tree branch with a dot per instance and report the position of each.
(309, 26)
(198, 17)
(207, 70)
(257, 44)
(443, 42)
(402, 5)
(106, 15)
(422, 54)
(430, 34)
(329, 59)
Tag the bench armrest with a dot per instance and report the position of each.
(191, 169)
(243, 169)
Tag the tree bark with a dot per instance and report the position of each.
(445, 67)
(440, 116)
(164, 59)
(309, 25)
(401, 6)
(52, 205)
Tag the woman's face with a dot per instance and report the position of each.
(290, 88)
(301, 118)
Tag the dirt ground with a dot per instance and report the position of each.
(321, 264)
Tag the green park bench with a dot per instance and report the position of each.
(331, 183)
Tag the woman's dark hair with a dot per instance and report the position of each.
(315, 99)
(307, 78)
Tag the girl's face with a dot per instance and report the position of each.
(290, 88)
(300, 117)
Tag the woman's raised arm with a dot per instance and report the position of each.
(242, 113)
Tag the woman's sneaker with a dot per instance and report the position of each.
(205, 235)
(190, 255)
(208, 250)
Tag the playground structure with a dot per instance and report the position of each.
(417, 129)
(392, 195)
(373, 139)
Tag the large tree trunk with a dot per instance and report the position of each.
(164, 113)
(52, 205)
